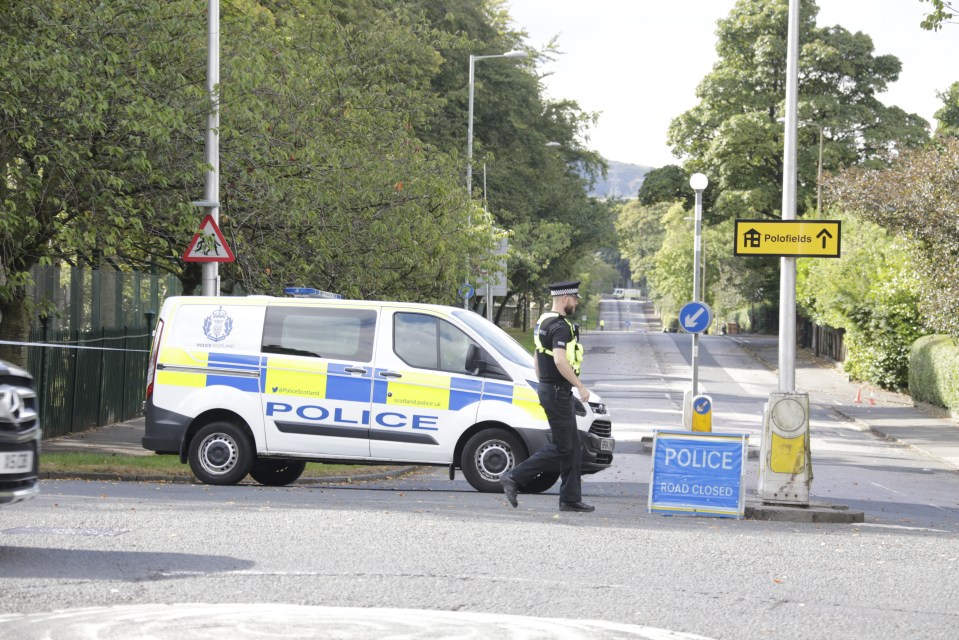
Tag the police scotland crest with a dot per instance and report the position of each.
(218, 325)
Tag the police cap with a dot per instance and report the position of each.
(564, 289)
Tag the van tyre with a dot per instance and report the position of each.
(277, 473)
(487, 455)
(221, 453)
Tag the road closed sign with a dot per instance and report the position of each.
(790, 238)
(698, 474)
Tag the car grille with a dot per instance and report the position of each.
(604, 458)
(602, 428)
(18, 405)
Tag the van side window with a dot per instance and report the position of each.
(339, 334)
(430, 343)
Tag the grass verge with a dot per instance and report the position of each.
(114, 463)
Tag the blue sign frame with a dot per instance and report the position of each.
(698, 473)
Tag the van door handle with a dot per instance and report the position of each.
(359, 370)
(391, 374)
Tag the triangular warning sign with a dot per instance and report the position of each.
(208, 244)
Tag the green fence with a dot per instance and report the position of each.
(88, 379)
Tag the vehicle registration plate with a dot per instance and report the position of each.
(606, 444)
(16, 461)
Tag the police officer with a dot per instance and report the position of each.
(557, 360)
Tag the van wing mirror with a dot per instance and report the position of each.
(479, 362)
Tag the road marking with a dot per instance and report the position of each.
(259, 620)
(876, 484)
(897, 526)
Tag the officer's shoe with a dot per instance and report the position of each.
(509, 488)
(576, 506)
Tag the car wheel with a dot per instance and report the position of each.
(487, 455)
(277, 473)
(221, 453)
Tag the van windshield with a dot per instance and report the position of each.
(504, 344)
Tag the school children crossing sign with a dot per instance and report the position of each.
(794, 238)
(208, 245)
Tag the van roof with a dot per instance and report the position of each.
(324, 302)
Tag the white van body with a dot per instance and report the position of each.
(261, 385)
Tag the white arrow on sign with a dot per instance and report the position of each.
(690, 320)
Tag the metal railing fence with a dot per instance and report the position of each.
(88, 379)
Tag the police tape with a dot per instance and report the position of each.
(60, 345)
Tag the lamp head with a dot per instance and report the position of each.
(698, 181)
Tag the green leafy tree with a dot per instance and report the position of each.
(942, 12)
(666, 184)
(733, 135)
(916, 197)
(948, 116)
(86, 120)
(324, 120)
(873, 294)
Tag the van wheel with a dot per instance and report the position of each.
(277, 473)
(487, 455)
(221, 453)
(542, 482)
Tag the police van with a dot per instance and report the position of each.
(262, 385)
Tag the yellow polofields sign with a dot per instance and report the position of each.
(794, 238)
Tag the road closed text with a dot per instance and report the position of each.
(696, 489)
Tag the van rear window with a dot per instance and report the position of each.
(338, 334)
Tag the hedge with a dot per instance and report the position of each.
(934, 371)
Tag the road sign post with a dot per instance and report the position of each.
(695, 317)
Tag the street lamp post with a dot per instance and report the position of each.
(469, 137)
(469, 134)
(818, 172)
(810, 123)
(698, 182)
(210, 274)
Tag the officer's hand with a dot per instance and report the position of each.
(583, 393)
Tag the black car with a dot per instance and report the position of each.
(19, 435)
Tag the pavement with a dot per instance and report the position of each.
(894, 416)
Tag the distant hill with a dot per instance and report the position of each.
(623, 180)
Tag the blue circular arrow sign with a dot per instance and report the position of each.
(466, 290)
(695, 317)
(702, 405)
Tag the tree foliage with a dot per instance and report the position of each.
(733, 135)
(916, 197)
(342, 132)
(872, 293)
(91, 126)
(666, 184)
(947, 117)
(942, 12)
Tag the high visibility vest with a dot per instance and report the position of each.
(574, 350)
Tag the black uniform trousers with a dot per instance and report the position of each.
(565, 452)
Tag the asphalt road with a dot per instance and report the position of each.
(421, 556)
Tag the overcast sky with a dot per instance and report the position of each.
(638, 62)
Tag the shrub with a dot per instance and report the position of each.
(934, 371)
